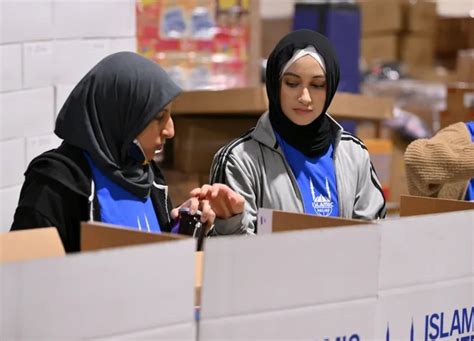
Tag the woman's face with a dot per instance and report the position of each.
(160, 128)
(303, 91)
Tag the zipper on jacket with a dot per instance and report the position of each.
(164, 188)
(91, 201)
(289, 171)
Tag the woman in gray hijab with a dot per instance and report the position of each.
(112, 124)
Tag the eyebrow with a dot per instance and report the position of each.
(295, 75)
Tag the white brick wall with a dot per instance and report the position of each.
(9, 199)
(10, 68)
(46, 47)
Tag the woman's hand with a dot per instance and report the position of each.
(207, 214)
(222, 199)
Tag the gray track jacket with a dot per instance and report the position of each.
(254, 166)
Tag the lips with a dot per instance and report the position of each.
(301, 111)
(159, 149)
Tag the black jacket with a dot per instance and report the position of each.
(56, 193)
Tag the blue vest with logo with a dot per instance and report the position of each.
(120, 207)
(316, 177)
(470, 187)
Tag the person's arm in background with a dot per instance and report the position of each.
(44, 203)
(448, 157)
(370, 201)
(231, 194)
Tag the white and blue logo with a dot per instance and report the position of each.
(455, 326)
(322, 205)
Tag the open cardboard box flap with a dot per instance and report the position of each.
(253, 101)
(30, 244)
(98, 236)
(413, 205)
(278, 221)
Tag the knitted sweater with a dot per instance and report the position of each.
(441, 166)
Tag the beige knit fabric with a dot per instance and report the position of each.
(441, 166)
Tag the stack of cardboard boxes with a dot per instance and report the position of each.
(453, 34)
(398, 30)
(380, 25)
(417, 37)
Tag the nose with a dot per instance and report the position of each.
(168, 131)
(305, 98)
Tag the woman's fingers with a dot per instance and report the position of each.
(208, 215)
(175, 213)
(221, 198)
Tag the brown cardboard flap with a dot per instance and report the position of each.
(30, 244)
(231, 101)
(412, 205)
(198, 277)
(253, 101)
(98, 236)
(351, 106)
(286, 221)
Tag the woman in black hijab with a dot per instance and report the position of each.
(113, 123)
(298, 158)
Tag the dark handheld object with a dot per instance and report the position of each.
(191, 225)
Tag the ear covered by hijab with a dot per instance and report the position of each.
(109, 107)
(312, 139)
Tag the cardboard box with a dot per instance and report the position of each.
(413, 205)
(417, 312)
(269, 221)
(281, 286)
(416, 50)
(207, 120)
(181, 183)
(460, 104)
(465, 66)
(425, 249)
(38, 67)
(99, 236)
(10, 67)
(242, 101)
(104, 290)
(380, 16)
(425, 277)
(30, 244)
(198, 138)
(273, 29)
(361, 107)
(419, 16)
(376, 47)
(451, 35)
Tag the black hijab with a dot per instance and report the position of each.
(312, 139)
(109, 107)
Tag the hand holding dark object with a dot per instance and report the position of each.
(222, 199)
(207, 215)
(191, 225)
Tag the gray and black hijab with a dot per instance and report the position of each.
(109, 107)
(314, 138)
